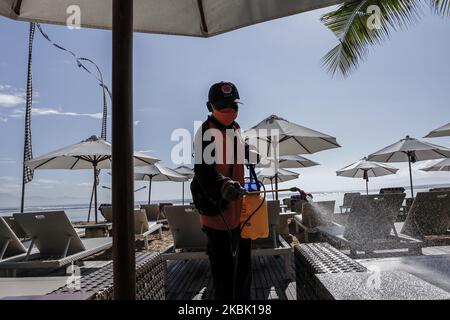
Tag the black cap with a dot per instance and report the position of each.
(223, 94)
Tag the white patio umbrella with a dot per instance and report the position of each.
(366, 169)
(291, 161)
(268, 175)
(203, 18)
(93, 153)
(439, 132)
(187, 172)
(443, 165)
(280, 137)
(154, 173)
(410, 150)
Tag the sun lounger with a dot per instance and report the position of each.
(98, 230)
(348, 200)
(143, 229)
(373, 216)
(162, 205)
(57, 241)
(189, 241)
(106, 212)
(296, 203)
(314, 214)
(15, 227)
(287, 203)
(154, 213)
(429, 217)
(440, 189)
(392, 190)
(370, 227)
(10, 245)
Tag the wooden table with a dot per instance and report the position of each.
(98, 230)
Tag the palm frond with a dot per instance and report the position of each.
(441, 7)
(357, 29)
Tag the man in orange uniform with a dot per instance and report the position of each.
(216, 191)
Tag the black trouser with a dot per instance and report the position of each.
(223, 264)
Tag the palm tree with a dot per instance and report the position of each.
(360, 24)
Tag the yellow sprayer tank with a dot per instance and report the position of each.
(258, 225)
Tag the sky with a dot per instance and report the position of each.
(401, 89)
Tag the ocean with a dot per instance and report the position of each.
(79, 212)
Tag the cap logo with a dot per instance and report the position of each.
(226, 88)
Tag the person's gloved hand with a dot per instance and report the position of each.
(231, 190)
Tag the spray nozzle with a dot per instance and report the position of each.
(303, 195)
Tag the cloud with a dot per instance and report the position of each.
(3, 119)
(136, 122)
(5, 87)
(9, 184)
(7, 161)
(54, 112)
(8, 179)
(11, 97)
(11, 100)
(46, 181)
(84, 184)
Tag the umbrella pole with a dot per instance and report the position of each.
(124, 261)
(182, 196)
(150, 189)
(410, 176)
(367, 186)
(95, 192)
(276, 167)
(90, 203)
(271, 186)
(276, 186)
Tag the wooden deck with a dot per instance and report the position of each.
(191, 280)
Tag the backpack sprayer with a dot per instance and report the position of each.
(255, 218)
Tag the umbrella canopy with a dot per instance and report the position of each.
(294, 161)
(179, 17)
(267, 175)
(93, 153)
(186, 171)
(157, 172)
(366, 169)
(440, 132)
(84, 155)
(443, 165)
(410, 150)
(291, 139)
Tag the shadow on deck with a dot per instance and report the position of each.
(191, 280)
